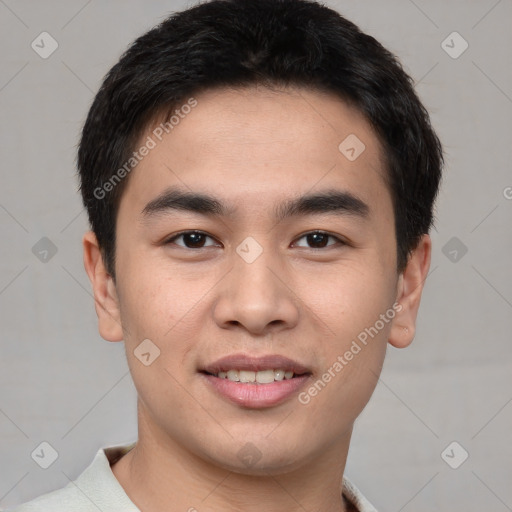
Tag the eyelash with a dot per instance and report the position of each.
(314, 232)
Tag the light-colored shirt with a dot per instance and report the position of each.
(97, 488)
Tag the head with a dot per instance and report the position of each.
(296, 149)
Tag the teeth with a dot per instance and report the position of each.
(233, 375)
(261, 377)
(279, 374)
(265, 376)
(247, 376)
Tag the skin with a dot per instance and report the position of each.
(252, 147)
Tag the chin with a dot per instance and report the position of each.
(259, 458)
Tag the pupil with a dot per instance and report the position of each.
(316, 238)
(195, 237)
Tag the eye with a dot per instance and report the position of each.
(191, 239)
(319, 239)
(196, 240)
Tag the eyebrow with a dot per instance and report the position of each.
(328, 201)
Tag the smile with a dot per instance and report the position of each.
(251, 377)
(255, 382)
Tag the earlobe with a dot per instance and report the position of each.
(409, 289)
(104, 290)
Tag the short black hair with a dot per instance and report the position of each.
(237, 43)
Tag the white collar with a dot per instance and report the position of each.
(99, 480)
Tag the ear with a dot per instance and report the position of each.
(409, 288)
(104, 289)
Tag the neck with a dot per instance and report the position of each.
(158, 472)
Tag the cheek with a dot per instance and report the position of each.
(157, 304)
(150, 297)
(351, 364)
(351, 298)
(356, 307)
(155, 323)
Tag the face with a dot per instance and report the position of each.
(242, 285)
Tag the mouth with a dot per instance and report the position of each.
(255, 382)
(255, 377)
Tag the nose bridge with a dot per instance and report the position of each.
(254, 295)
(254, 279)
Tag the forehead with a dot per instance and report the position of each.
(253, 145)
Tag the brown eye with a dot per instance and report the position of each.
(319, 239)
(191, 239)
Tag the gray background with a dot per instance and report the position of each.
(61, 383)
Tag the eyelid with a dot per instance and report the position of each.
(339, 239)
(171, 239)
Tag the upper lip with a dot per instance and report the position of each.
(256, 364)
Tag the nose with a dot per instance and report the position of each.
(257, 296)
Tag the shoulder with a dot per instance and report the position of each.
(356, 498)
(62, 500)
(95, 489)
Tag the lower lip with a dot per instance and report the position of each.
(257, 396)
